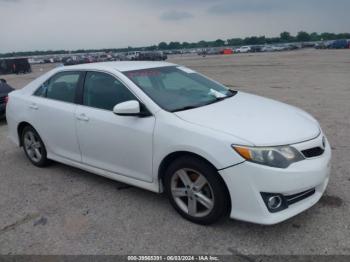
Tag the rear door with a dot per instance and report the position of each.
(121, 145)
(52, 110)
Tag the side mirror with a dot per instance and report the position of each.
(3, 81)
(128, 108)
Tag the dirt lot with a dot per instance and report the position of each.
(62, 210)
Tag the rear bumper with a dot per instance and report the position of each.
(247, 181)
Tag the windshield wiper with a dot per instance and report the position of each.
(231, 93)
(217, 99)
(184, 108)
(199, 105)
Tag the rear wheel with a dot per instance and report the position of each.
(196, 191)
(34, 147)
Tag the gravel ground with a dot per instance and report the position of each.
(62, 210)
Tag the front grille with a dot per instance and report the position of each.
(312, 152)
(291, 199)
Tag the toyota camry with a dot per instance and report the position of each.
(215, 152)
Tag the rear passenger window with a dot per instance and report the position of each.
(103, 91)
(41, 91)
(60, 87)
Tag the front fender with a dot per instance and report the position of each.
(172, 134)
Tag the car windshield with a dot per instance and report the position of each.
(178, 88)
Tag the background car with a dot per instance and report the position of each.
(243, 49)
(256, 48)
(150, 56)
(321, 45)
(15, 66)
(267, 48)
(132, 55)
(339, 44)
(278, 48)
(5, 89)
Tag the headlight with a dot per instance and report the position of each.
(281, 156)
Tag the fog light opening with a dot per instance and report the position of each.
(274, 202)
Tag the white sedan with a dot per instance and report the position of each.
(165, 127)
(243, 49)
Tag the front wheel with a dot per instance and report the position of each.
(196, 190)
(34, 147)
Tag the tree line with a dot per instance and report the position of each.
(284, 37)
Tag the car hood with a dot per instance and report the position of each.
(257, 120)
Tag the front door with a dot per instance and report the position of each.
(119, 144)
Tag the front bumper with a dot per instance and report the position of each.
(247, 181)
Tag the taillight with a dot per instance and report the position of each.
(6, 99)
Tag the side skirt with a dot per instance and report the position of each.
(154, 187)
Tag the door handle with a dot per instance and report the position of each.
(82, 117)
(33, 106)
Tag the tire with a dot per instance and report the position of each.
(34, 147)
(205, 187)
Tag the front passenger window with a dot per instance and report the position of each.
(103, 91)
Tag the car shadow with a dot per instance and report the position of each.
(292, 225)
(224, 224)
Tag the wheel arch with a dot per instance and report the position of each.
(167, 160)
(20, 128)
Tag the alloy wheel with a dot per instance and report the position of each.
(33, 146)
(192, 192)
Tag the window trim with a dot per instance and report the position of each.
(79, 92)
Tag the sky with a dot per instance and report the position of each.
(27, 25)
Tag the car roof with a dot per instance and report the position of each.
(121, 66)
